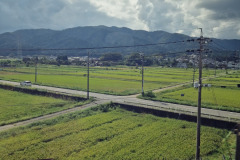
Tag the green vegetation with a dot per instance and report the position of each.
(120, 80)
(108, 132)
(216, 98)
(229, 80)
(16, 106)
(223, 95)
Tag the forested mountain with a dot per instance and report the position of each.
(101, 36)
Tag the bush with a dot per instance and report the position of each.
(150, 94)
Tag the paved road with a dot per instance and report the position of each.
(103, 98)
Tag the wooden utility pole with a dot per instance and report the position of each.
(36, 63)
(215, 67)
(201, 41)
(194, 70)
(142, 58)
(88, 77)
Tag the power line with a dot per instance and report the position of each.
(91, 48)
(221, 48)
(169, 53)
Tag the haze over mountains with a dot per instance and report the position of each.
(101, 36)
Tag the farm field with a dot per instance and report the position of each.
(229, 80)
(109, 132)
(223, 95)
(119, 80)
(16, 106)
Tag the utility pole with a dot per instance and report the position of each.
(19, 51)
(226, 68)
(88, 77)
(142, 59)
(194, 70)
(201, 41)
(193, 74)
(215, 66)
(36, 63)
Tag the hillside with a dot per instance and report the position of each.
(98, 36)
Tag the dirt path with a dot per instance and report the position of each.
(52, 115)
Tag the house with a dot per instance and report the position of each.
(233, 65)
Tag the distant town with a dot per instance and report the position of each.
(111, 59)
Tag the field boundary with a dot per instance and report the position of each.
(207, 120)
(46, 93)
(51, 115)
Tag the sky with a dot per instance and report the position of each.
(218, 18)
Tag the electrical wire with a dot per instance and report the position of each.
(221, 48)
(92, 48)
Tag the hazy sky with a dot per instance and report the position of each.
(218, 18)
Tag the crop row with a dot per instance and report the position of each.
(117, 134)
(121, 81)
(16, 106)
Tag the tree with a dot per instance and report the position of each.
(62, 60)
(27, 61)
(115, 57)
(44, 60)
(134, 59)
(148, 61)
(174, 62)
(5, 63)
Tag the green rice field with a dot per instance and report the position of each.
(109, 132)
(223, 94)
(17, 106)
(119, 80)
(230, 80)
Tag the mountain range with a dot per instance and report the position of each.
(102, 36)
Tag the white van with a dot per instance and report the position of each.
(26, 83)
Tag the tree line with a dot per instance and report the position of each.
(111, 59)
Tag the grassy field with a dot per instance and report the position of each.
(17, 106)
(216, 97)
(119, 80)
(230, 80)
(108, 132)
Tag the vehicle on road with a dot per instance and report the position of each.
(26, 83)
